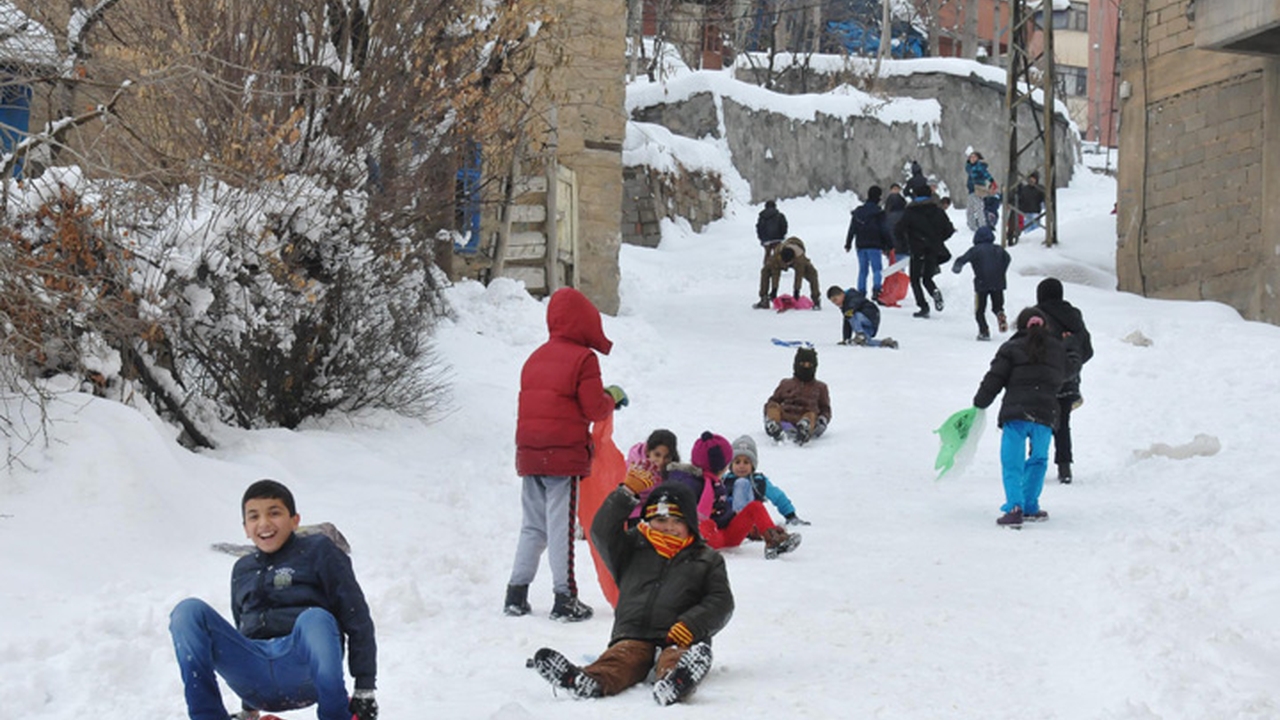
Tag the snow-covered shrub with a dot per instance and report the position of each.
(288, 301)
(65, 292)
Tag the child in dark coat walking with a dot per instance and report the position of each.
(990, 264)
(1029, 368)
(673, 596)
(1066, 322)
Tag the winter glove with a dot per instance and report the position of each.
(640, 478)
(680, 634)
(794, 519)
(363, 706)
(620, 399)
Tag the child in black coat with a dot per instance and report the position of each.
(990, 264)
(1029, 368)
(673, 596)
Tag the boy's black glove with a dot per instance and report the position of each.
(363, 705)
(794, 519)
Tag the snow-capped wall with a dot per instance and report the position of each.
(790, 145)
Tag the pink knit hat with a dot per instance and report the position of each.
(712, 453)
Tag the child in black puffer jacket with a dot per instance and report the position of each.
(673, 596)
(1029, 368)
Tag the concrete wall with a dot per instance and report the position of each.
(1199, 155)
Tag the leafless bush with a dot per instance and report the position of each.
(285, 173)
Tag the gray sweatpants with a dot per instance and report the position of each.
(549, 503)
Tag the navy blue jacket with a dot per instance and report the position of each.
(854, 303)
(269, 592)
(870, 226)
(771, 226)
(990, 262)
(917, 183)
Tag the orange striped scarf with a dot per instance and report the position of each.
(664, 544)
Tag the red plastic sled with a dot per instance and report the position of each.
(608, 469)
(894, 288)
(783, 303)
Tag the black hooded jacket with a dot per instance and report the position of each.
(1066, 322)
(655, 593)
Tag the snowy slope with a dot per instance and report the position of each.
(1150, 593)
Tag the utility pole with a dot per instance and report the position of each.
(1023, 80)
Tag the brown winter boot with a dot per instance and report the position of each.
(778, 541)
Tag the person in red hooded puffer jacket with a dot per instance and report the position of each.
(560, 396)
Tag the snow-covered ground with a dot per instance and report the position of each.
(1151, 593)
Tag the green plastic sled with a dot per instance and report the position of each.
(959, 436)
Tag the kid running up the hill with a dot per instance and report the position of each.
(1029, 367)
(859, 318)
(296, 603)
(990, 265)
(673, 596)
(800, 407)
(746, 485)
(727, 526)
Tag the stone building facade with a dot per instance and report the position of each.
(1200, 153)
(589, 90)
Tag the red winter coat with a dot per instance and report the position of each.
(560, 391)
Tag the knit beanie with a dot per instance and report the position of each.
(712, 453)
(745, 446)
(1049, 290)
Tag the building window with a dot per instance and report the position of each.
(1075, 17)
(1073, 80)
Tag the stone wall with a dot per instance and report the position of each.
(650, 196)
(1199, 155)
(781, 157)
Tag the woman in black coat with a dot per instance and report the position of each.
(1029, 368)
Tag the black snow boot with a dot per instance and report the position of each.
(557, 670)
(685, 676)
(568, 608)
(1064, 473)
(517, 601)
